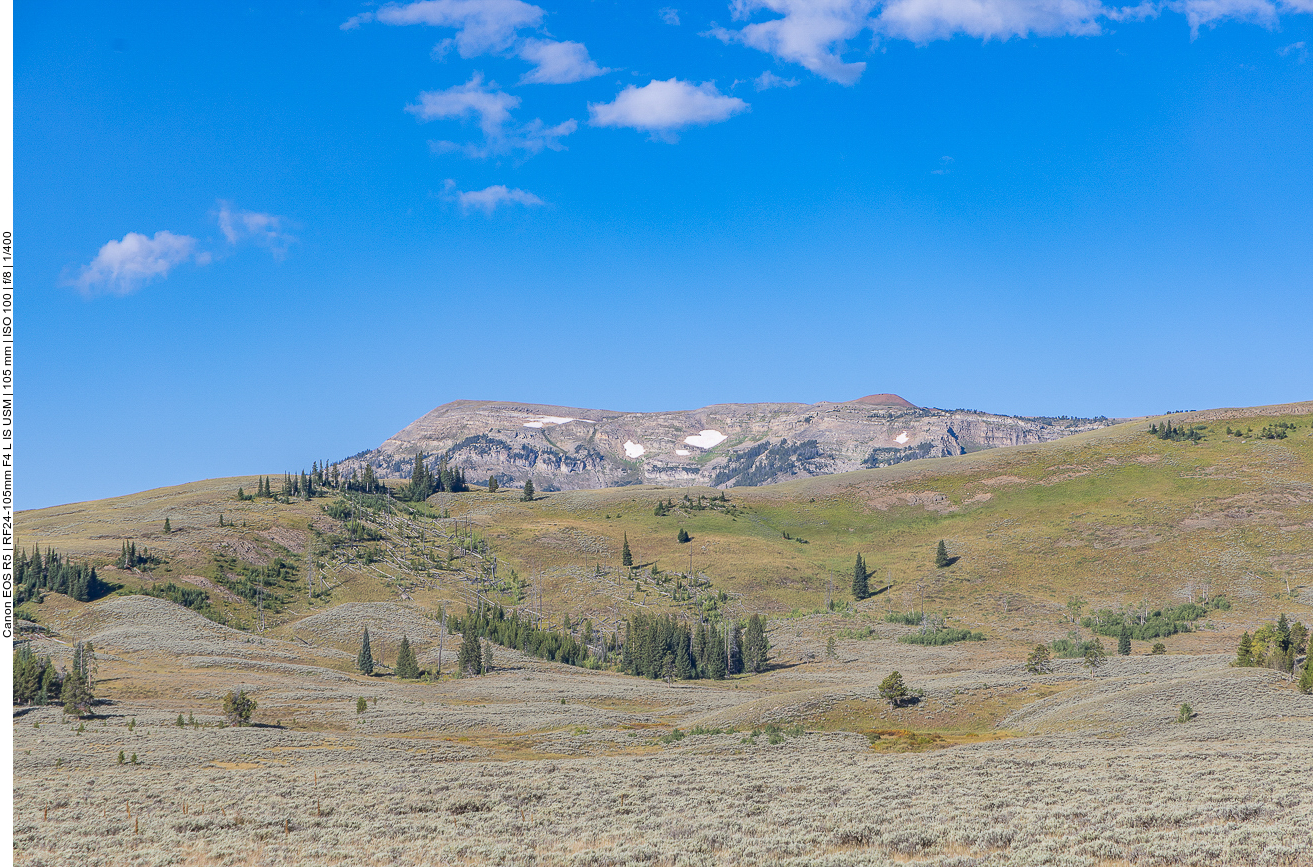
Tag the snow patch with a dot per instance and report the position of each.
(706, 439)
(633, 450)
(682, 452)
(554, 420)
(901, 438)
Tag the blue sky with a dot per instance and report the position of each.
(257, 235)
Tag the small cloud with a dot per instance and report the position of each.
(811, 34)
(945, 166)
(768, 79)
(1296, 49)
(557, 62)
(662, 107)
(267, 230)
(123, 267)
(493, 108)
(487, 199)
(669, 15)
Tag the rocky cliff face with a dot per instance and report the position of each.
(566, 448)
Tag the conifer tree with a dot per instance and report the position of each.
(365, 659)
(527, 496)
(76, 694)
(682, 536)
(487, 657)
(756, 648)
(1124, 642)
(492, 484)
(469, 659)
(167, 527)
(407, 666)
(1244, 656)
(1306, 677)
(1038, 661)
(941, 555)
(626, 558)
(734, 648)
(860, 587)
(893, 690)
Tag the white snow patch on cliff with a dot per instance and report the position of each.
(901, 438)
(706, 439)
(633, 449)
(554, 419)
(682, 452)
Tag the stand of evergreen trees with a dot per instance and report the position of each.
(37, 681)
(34, 573)
(424, 483)
(1178, 434)
(510, 630)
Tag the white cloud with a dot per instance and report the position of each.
(926, 20)
(557, 62)
(768, 79)
(122, 267)
(661, 107)
(489, 198)
(493, 108)
(492, 27)
(1295, 48)
(669, 15)
(267, 230)
(811, 33)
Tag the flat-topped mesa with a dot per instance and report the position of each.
(723, 445)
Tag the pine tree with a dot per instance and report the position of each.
(626, 558)
(527, 496)
(469, 660)
(76, 694)
(1306, 677)
(860, 587)
(167, 527)
(734, 648)
(487, 657)
(365, 659)
(1124, 642)
(756, 648)
(1038, 661)
(941, 555)
(893, 690)
(682, 536)
(238, 707)
(492, 484)
(407, 666)
(1244, 656)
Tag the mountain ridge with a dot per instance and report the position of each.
(721, 445)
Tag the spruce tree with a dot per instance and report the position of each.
(487, 657)
(492, 484)
(941, 555)
(1244, 656)
(893, 690)
(365, 659)
(407, 666)
(76, 694)
(756, 648)
(626, 558)
(1306, 677)
(527, 496)
(167, 527)
(469, 659)
(860, 587)
(734, 648)
(1124, 642)
(682, 536)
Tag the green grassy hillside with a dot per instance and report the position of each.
(1116, 517)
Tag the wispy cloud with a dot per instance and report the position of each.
(488, 199)
(662, 107)
(492, 107)
(768, 80)
(815, 34)
(556, 62)
(810, 33)
(1295, 48)
(267, 230)
(123, 267)
(669, 15)
(492, 27)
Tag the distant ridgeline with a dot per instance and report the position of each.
(727, 445)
